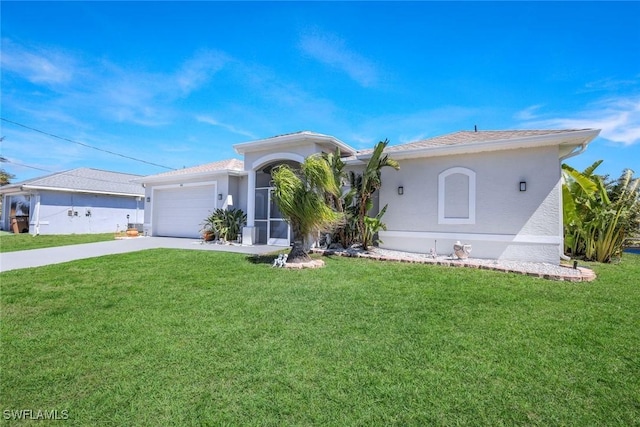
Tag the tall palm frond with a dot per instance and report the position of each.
(301, 197)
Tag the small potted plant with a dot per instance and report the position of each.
(131, 230)
(209, 229)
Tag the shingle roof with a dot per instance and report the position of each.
(88, 180)
(469, 137)
(219, 166)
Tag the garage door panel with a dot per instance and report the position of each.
(180, 212)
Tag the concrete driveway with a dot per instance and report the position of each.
(40, 257)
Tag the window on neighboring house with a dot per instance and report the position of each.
(457, 196)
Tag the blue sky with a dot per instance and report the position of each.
(177, 84)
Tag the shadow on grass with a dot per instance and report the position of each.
(265, 258)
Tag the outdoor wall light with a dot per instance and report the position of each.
(219, 196)
(523, 186)
(401, 190)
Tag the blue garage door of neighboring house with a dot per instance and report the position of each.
(180, 211)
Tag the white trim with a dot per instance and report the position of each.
(73, 190)
(189, 184)
(251, 200)
(151, 180)
(282, 141)
(510, 238)
(471, 219)
(276, 156)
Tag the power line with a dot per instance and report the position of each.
(5, 160)
(85, 145)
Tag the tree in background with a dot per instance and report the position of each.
(598, 214)
(5, 177)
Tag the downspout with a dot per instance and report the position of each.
(37, 214)
(574, 153)
(137, 208)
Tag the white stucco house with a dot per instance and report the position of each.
(499, 191)
(77, 201)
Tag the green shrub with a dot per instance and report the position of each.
(225, 223)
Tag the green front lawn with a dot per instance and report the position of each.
(169, 337)
(21, 242)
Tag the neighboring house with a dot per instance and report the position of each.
(499, 191)
(77, 201)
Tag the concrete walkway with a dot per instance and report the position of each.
(56, 255)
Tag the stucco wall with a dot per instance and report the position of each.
(90, 213)
(509, 224)
(238, 189)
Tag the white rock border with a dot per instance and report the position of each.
(540, 270)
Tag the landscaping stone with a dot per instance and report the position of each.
(534, 269)
(315, 263)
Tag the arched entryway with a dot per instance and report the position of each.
(270, 226)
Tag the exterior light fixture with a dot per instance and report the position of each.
(523, 186)
(219, 196)
(401, 190)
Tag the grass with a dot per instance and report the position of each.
(169, 337)
(10, 242)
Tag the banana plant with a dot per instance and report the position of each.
(598, 216)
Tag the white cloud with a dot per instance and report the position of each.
(230, 128)
(198, 70)
(332, 51)
(609, 84)
(40, 65)
(529, 113)
(75, 87)
(619, 119)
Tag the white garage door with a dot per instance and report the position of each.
(180, 211)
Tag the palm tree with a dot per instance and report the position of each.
(336, 164)
(366, 184)
(346, 232)
(301, 197)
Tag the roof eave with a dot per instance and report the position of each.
(195, 175)
(284, 140)
(77, 190)
(575, 138)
